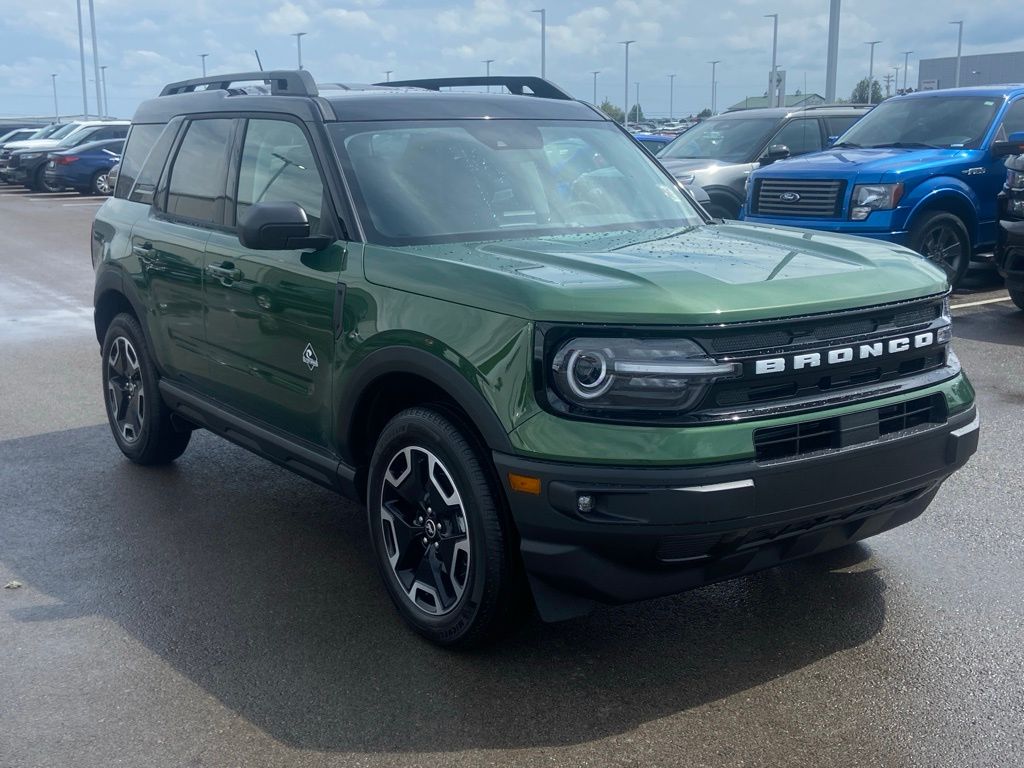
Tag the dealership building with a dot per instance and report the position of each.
(980, 69)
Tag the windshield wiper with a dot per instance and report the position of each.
(904, 145)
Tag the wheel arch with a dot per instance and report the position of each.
(112, 296)
(962, 203)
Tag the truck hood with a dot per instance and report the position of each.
(33, 144)
(845, 163)
(701, 275)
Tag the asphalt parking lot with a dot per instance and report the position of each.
(223, 612)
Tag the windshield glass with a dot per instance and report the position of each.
(443, 181)
(732, 140)
(952, 121)
(63, 131)
(45, 133)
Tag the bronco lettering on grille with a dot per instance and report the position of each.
(844, 354)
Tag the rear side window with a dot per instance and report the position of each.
(140, 142)
(196, 187)
(837, 126)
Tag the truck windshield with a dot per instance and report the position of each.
(64, 130)
(730, 139)
(951, 121)
(444, 181)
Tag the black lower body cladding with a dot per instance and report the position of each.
(617, 535)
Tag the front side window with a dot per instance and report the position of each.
(934, 121)
(196, 187)
(729, 139)
(278, 166)
(1013, 120)
(443, 181)
(801, 136)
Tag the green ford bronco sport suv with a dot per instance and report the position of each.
(498, 323)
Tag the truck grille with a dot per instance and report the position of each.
(799, 197)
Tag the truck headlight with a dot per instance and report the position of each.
(1015, 180)
(874, 197)
(621, 374)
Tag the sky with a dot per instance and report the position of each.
(147, 43)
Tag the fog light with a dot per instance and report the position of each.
(585, 503)
(859, 214)
(945, 335)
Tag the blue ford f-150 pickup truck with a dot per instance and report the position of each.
(922, 170)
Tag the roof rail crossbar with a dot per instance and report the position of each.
(538, 86)
(809, 107)
(283, 82)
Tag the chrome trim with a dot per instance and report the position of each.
(716, 487)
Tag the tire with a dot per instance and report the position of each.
(722, 210)
(444, 546)
(1017, 295)
(40, 184)
(138, 418)
(942, 238)
(99, 185)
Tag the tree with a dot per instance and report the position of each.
(704, 113)
(636, 114)
(860, 93)
(614, 112)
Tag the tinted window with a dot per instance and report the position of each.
(732, 139)
(110, 132)
(801, 136)
(1013, 120)
(196, 188)
(64, 130)
(140, 142)
(278, 166)
(837, 126)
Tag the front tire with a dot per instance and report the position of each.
(942, 238)
(139, 419)
(441, 536)
(1017, 295)
(100, 184)
(42, 185)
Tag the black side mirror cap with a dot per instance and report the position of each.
(1014, 145)
(775, 152)
(278, 227)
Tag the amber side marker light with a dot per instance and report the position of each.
(524, 483)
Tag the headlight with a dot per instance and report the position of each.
(1015, 180)
(874, 197)
(31, 155)
(1015, 208)
(609, 374)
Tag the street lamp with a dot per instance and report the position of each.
(543, 42)
(832, 57)
(625, 115)
(959, 47)
(906, 67)
(56, 109)
(897, 81)
(671, 94)
(103, 77)
(95, 56)
(772, 95)
(595, 73)
(81, 56)
(871, 70)
(298, 43)
(977, 74)
(637, 102)
(714, 86)
(202, 58)
(488, 63)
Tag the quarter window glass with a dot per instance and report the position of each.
(801, 136)
(139, 144)
(278, 166)
(196, 188)
(153, 162)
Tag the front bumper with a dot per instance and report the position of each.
(1009, 254)
(658, 531)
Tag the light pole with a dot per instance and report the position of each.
(772, 95)
(387, 75)
(81, 56)
(832, 61)
(595, 73)
(543, 41)
(56, 109)
(714, 86)
(871, 70)
(487, 63)
(202, 58)
(906, 67)
(637, 102)
(298, 43)
(959, 47)
(897, 81)
(103, 76)
(625, 116)
(671, 95)
(95, 56)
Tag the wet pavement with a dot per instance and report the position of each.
(223, 612)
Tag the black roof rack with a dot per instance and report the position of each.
(810, 107)
(283, 82)
(538, 86)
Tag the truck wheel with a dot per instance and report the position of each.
(139, 420)
(441, 537)
(1017, 294)
(942, 239)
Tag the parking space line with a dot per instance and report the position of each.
(79, 205)
(979, 303)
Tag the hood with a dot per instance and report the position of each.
(14, 146)
(849, 162)
(703, 275)
(683, 165)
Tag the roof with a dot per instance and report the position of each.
(1002, 91)
(780, 112)
(791, 100)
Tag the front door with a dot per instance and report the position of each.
(270, 314)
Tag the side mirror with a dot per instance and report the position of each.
(830, 141)
(278, 227)
(775, 152)
(1014, 145)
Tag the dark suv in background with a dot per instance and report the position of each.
(721, 152)
(28, 166)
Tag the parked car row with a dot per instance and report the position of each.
(76, 155)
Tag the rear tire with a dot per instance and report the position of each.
(40, 184)
(139, 419)
(99, 184)
(942, 238)
(441, 536)
(1017, 295)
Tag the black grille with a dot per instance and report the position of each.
(811, 437)
(819, 198)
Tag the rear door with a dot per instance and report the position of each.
(170, 245)
(270, 314)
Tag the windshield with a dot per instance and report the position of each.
(951, 121)
(63, 131)
(444, 181)
(733, 140)
(47, 132)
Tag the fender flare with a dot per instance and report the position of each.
(933, 194)
(112, 279)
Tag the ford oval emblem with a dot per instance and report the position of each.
(789, 197)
